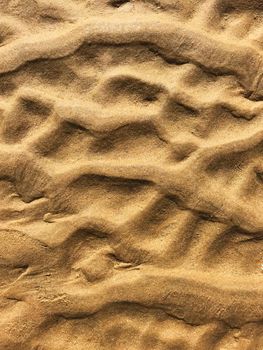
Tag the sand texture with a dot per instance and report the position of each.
(131, 175)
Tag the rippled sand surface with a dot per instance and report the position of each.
(131, 175)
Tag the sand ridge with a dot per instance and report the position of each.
(131, 175)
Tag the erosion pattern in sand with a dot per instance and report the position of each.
(131, 175)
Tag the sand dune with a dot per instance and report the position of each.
(131, 175)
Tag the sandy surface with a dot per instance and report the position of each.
(131, 175)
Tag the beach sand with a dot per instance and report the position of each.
(131, 175)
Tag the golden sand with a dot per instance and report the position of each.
(131, 175)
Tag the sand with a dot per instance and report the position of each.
(131, 175)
